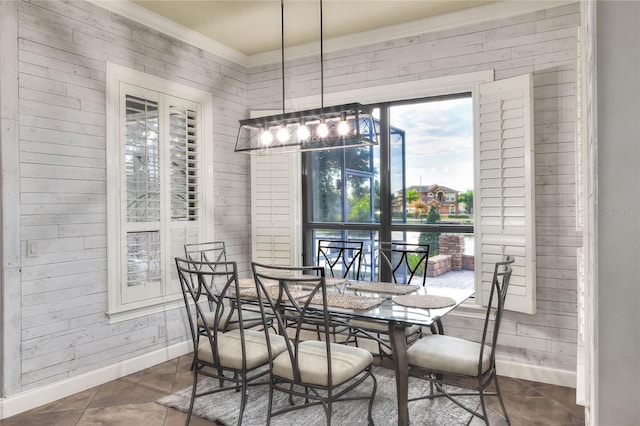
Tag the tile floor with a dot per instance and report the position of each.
(130, 401)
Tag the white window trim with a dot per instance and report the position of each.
(438, 86)
(116, 74)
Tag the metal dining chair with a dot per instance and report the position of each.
(407, 262)
(404, 263)
(312, 372)
(209, 251)
(445, 360)
(213, 255)
(233, 356)
(340, 260)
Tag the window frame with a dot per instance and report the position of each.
(118, 309)
(387, 228)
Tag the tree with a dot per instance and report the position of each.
(328, 166)
(434, 215)
(360, 209)
(431, 238)
(412, 195)
(467, 199)
(420, 207)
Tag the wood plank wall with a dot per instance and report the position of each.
(543, 43)
(63, 49)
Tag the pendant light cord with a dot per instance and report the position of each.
(282, 48)
(321, 55)
(321, 61)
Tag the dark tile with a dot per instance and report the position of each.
(159, 377)
(56, 418)
(525, 407)
(184, 374)
(127, 391)
(79, 401)
(148, 414)
(494, 419)
(565, 396)
(144, 386)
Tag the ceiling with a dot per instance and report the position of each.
(253, 26)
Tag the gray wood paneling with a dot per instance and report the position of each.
(543, 43)
(62, 50)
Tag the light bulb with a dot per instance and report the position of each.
(283, 134)
(266, 137)
(303, 132)
(343, 128)
(323, 130)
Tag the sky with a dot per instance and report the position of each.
(439, 142)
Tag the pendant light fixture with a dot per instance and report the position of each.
(332, 127)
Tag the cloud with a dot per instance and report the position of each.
(439, 142)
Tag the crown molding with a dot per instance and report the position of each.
(479, 14)
(144, 16)
(483, 13)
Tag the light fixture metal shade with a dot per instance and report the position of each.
(349, 125)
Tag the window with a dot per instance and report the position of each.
(426, 147)
(503, 186)
(155, 194)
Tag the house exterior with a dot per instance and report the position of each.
(443, 198)
(56, 336)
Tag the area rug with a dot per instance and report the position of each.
(223, 406)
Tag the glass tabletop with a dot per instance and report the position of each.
(389, 310)
(372, 300)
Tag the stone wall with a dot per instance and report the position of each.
(454, 246)
(468, 262)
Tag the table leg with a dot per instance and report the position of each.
(401, 365)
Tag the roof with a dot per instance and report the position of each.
(432, 188)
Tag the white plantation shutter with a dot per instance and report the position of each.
(157, 139)
(504, 193)
(162, 185)
(275, 209)
(184, 166)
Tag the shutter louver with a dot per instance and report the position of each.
(184, 181)
(184, 163)
(275, 217)
(504, 196)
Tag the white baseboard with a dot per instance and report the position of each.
(33, 398)
(536, 373)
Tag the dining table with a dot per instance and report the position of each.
(399, 306)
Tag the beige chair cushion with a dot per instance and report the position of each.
(380, 326)
(346, 362)
(449, 355)
(249, 319)
(230, 349)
